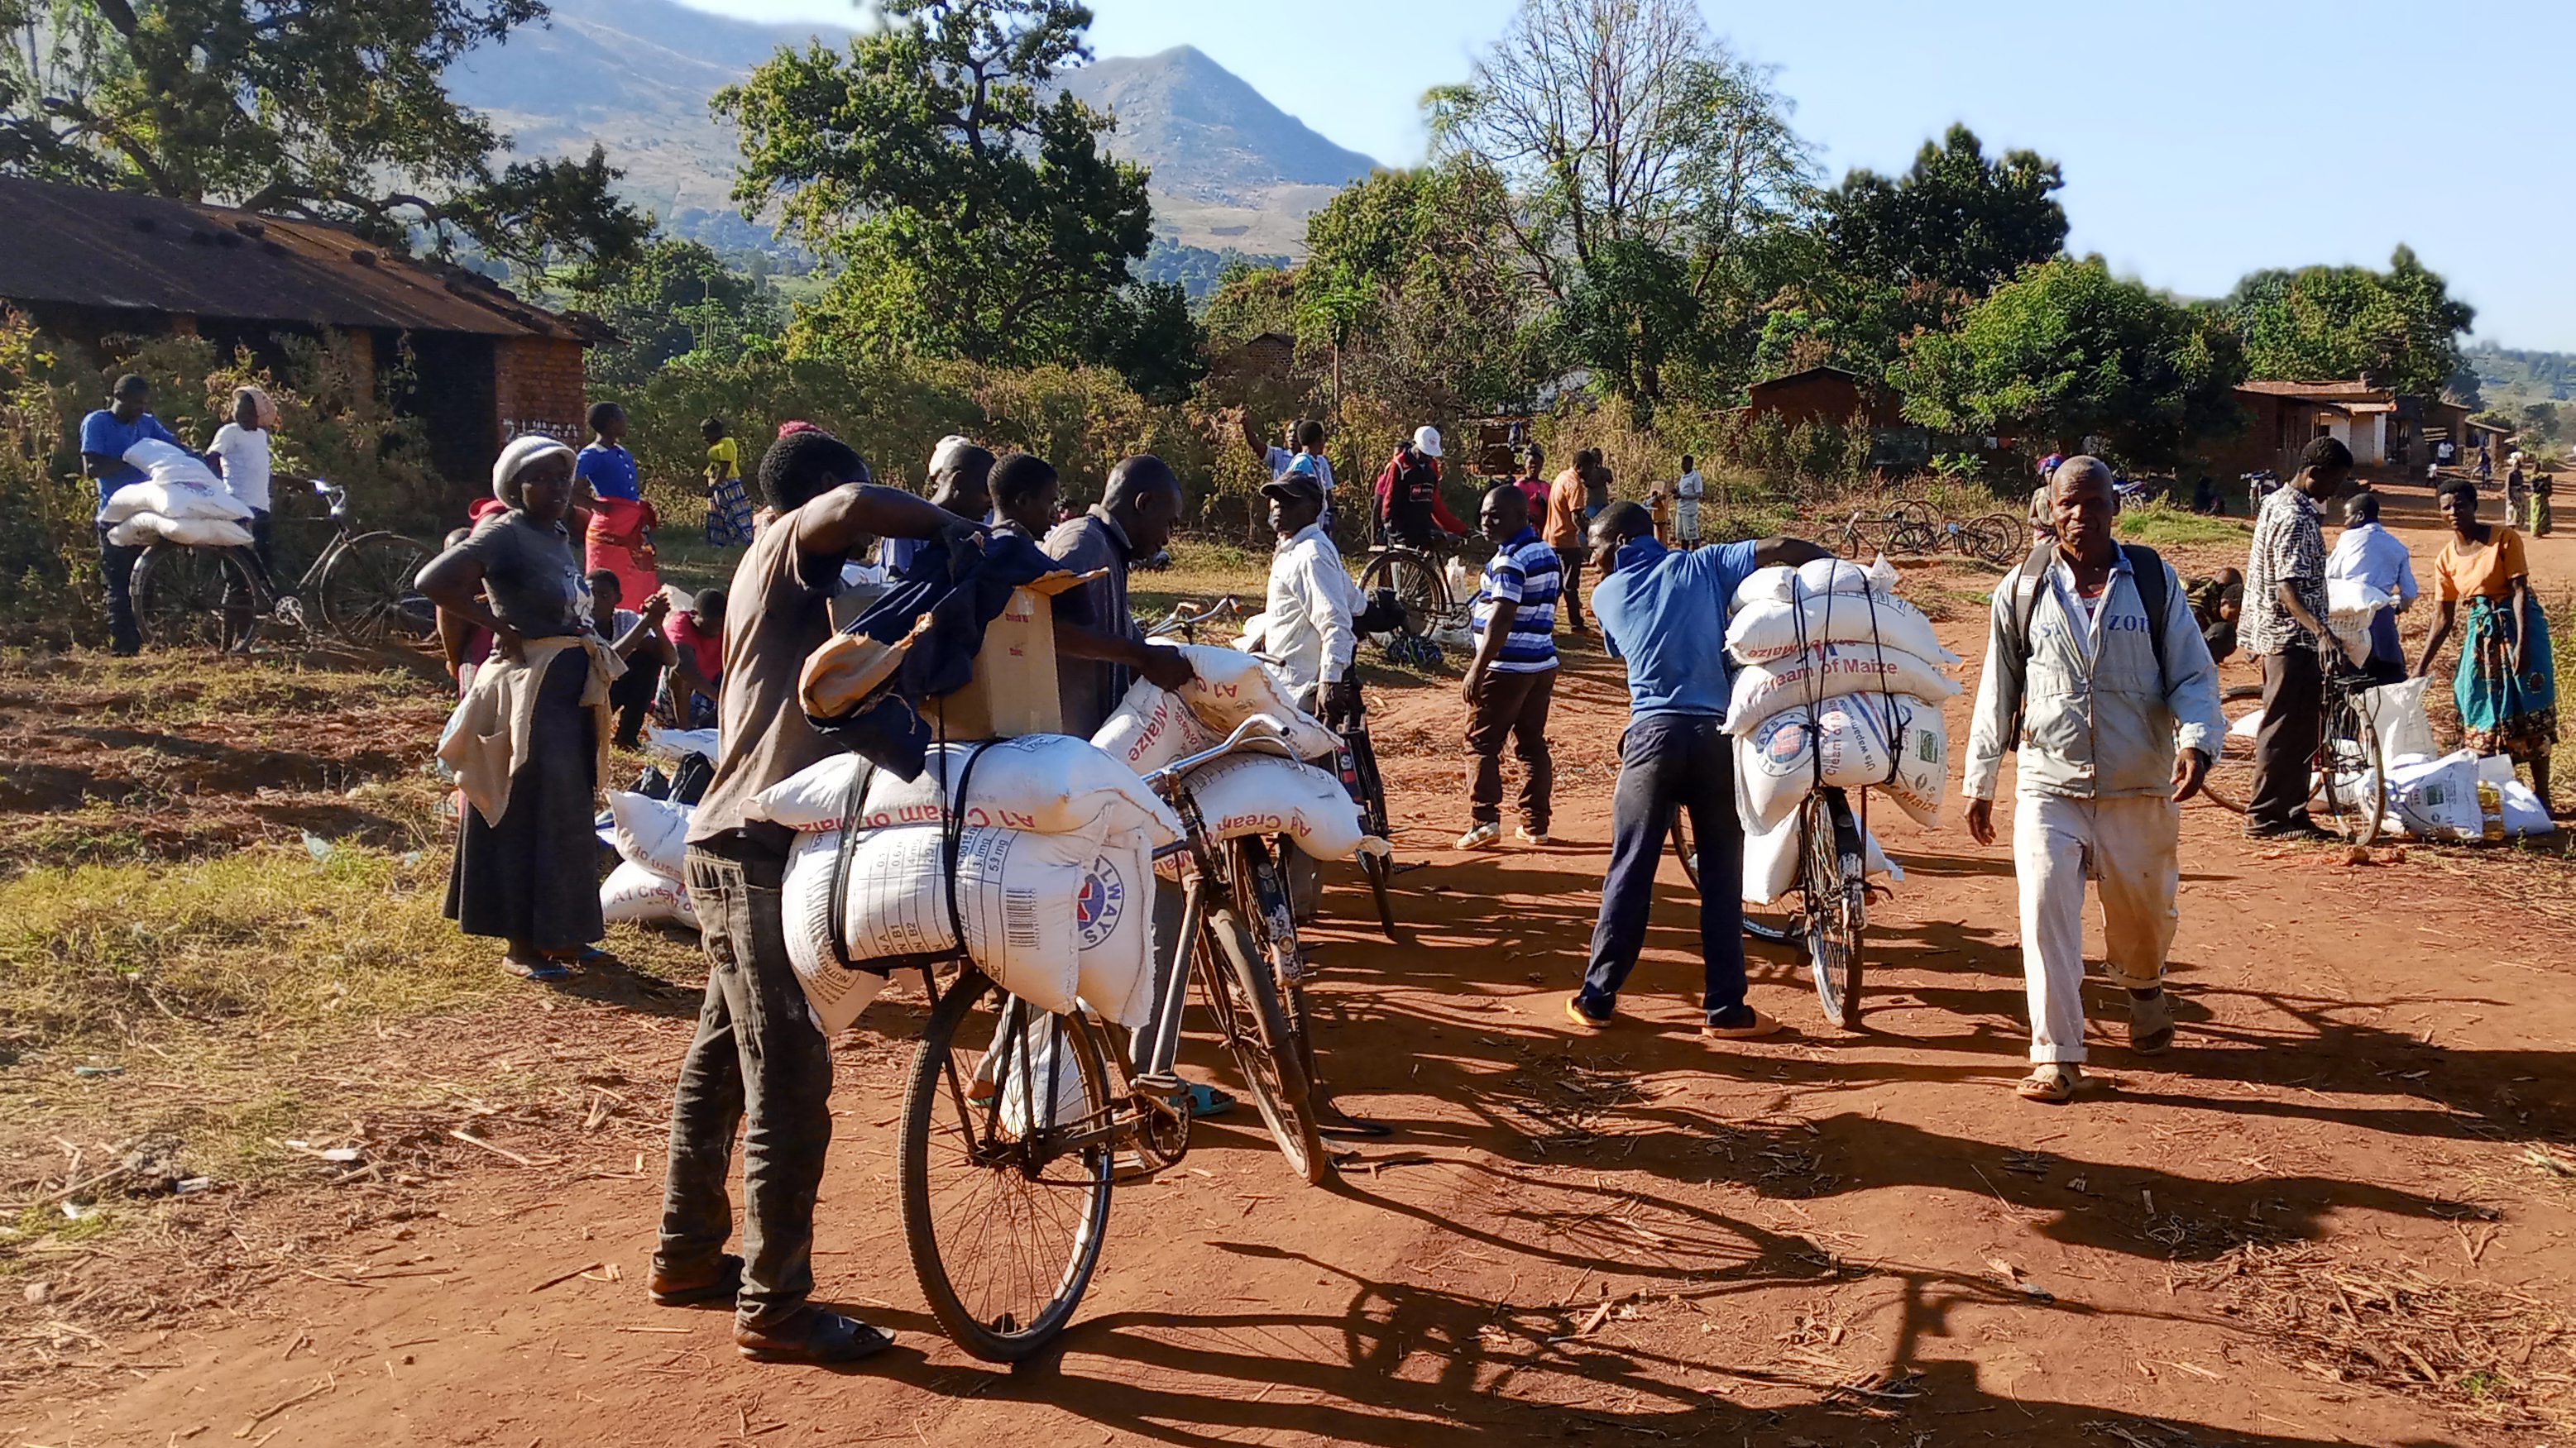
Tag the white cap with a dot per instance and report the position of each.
(1426, 441)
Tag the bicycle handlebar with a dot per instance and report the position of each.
(1179, 767)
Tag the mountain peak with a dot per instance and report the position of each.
(1208, 134)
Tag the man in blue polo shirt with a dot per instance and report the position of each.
(1664, 611)
(104, 437)
(1512, 678)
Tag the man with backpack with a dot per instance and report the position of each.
(2096, 672)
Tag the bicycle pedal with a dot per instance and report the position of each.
(1156, 1083)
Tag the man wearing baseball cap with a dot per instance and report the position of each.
(1409, 493)
(1313, 601)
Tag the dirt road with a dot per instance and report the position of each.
(2312, 1222)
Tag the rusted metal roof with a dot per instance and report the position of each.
(74, 245)
(2319, 391)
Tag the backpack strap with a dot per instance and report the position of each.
(2148, 571)
(2015, 654)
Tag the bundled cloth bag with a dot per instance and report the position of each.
(142, 530)
(635, 895)
(1150, 728)
(1051, 784)
(1252, 794)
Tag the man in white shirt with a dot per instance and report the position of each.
(240, 453)
(1308, 624)
(1686, 496)
(2368, 554)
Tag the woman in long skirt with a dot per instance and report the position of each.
(526, 868)
(2506, 683)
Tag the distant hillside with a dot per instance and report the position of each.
(1231, 170)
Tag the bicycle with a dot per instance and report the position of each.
(1186, 621)
(1833, 899)
(1859, 545)
(1357, 759)
(1416, 578)
(1996, 538)
(2349, 777)
(1013, 1119)
(360, 585)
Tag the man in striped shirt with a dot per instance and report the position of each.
(1512, 680)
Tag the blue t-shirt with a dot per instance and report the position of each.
(102, 432)
(1664, 611)
(1528, 573)
(610, 471)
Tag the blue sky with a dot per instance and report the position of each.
(2200, 138)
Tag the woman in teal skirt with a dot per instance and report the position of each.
(2506, 684)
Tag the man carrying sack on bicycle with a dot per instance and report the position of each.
(2096, 672)
(1663, 610)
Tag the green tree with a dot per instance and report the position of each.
(975, 218)
(336, 110)
(1955, 221)
(1645, 165)
(678, 303)
(2399, 327)
(2067, 351)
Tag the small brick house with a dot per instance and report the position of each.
(1822, 395)
(88, 265)
(2283, 417)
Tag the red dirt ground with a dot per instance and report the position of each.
(1820, 1239)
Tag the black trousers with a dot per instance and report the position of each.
(632, 695)
(116, 573)
(2293, 719)
(1671, 762)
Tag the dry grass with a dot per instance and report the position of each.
(2488, 1353)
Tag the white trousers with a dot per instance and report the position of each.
(2131, 848)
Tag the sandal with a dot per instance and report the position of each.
(545, 972)
(589, 957)
(2151, 1023)
(2050, 1081)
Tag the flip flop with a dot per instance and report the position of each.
(545, 972)
(2050, 1081)
(1203, 1100)
(591, 957)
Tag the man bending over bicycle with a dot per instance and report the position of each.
(1663, 611)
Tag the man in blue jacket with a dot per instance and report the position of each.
(1663, 610)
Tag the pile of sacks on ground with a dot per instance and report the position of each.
(1053, 841)
(178, 500)
(1841, 684)
(650, 884)
(2431, 796)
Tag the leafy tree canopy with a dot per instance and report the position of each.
(2400, 326)
(2066, 351)
(1955, 221)
(680, 303)
(336, 110)
(975, 218)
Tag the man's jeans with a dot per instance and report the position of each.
(116, 573)
(2293, 720)
(1669, 762)
(759, 1063)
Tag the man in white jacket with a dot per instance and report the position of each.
(1308, 618)
(2115, 714)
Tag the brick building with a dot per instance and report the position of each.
(90, 266)
(1822, 394)
(2282, 418)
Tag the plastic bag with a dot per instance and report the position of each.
(176, 484)
(678, 744)
(1151, 728)
(2524, 814)
(1771, 629)
(2437, 798)
(1762, 690)
(1771, 861)
(1050, 784)
(650, 832)
(142, 530)
(1260, 795)
(635, 895)
(2396, 715)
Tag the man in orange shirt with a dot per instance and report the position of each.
(1564, 531)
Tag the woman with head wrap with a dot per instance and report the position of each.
(527, 746)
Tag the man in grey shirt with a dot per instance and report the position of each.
(1099, 648)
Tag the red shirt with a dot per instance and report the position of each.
(705, 649)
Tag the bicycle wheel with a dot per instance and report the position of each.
(2230, 782)
(1370, 791)
(1912, 540)
(1417, 583)
(1004, 1222)
(1686, 847)
(195, 597)
(1252, 1014)
(1829, 878)
(2350, 783)
(365, 594)
(1997, 538)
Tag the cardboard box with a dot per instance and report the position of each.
(1014, 690)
